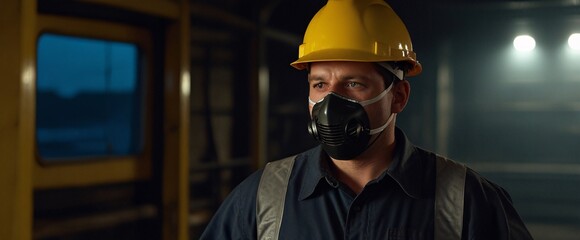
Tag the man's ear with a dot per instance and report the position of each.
(401, 91)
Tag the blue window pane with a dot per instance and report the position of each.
(88, 101)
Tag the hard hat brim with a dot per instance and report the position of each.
(346, 55)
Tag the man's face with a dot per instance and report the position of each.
(355, 80)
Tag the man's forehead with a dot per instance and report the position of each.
(341, 68)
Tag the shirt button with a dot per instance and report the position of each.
(357, 208)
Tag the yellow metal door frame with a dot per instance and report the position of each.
(17, 111)
(17, 64)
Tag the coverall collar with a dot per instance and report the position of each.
(407, 170)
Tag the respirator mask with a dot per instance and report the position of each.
(342, 125)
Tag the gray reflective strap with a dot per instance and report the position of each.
(449, 197)
(271, 197)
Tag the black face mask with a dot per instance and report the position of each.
(342, 126)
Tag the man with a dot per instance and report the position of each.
(366, 180)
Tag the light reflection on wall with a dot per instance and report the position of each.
(515, 115)
(524, 66)
(569, 59)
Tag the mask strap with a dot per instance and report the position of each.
(377, 98)
(313, 102)
(381, 128)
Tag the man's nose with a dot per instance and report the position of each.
(338, 89)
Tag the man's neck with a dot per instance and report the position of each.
(356, 173)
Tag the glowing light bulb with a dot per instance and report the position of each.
(524, 43)
(574, 41)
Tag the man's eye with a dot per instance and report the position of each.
(353, 84)
(318, 85)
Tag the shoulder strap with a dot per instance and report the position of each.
(271, 197)
(449, 197)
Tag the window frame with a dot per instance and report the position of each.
(102, 169)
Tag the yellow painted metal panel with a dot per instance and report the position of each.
(93, 29)
(17, 19)
(91, 172)
(184, 96)
(160, 8)
(176, 158)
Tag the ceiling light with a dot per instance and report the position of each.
(574, 41)
(524, 43)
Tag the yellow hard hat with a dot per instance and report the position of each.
(359, 31)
